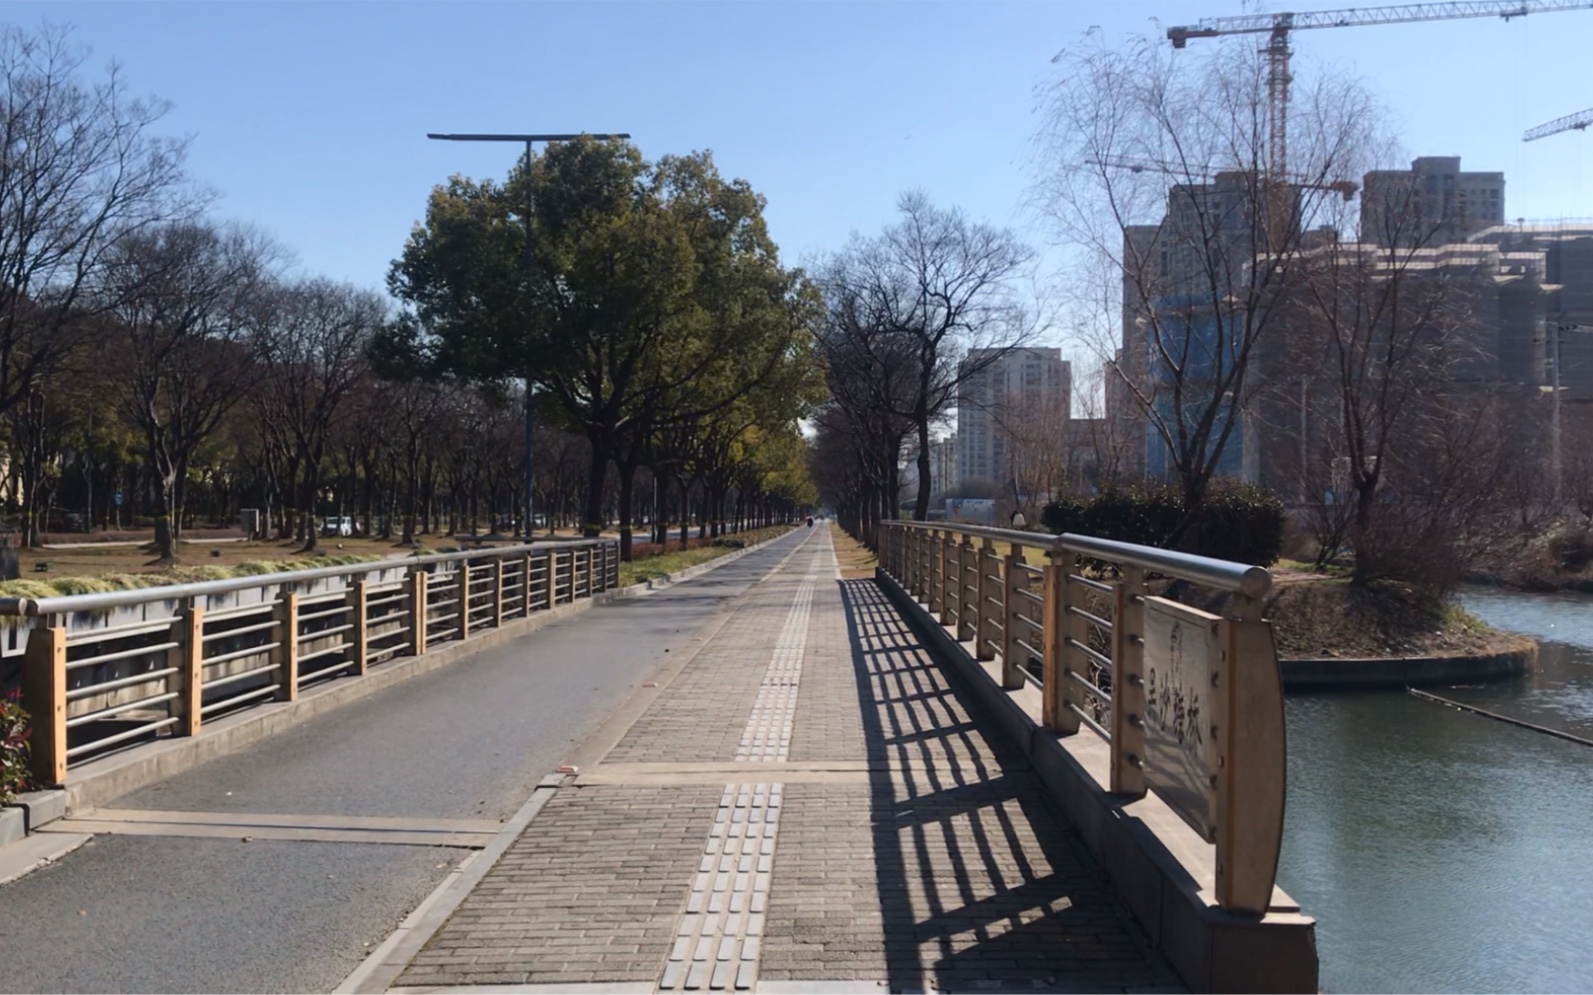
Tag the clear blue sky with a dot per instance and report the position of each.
(310, 119)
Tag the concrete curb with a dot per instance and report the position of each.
(1338, 674)
(388, 961)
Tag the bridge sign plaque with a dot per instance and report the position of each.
(1183, 654)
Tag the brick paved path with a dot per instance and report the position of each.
(806, 805)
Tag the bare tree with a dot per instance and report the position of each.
(188, 297)
(80, 173)
(312, 340)
(1156, 173)
(942, 289)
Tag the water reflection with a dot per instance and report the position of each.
(1442, 851)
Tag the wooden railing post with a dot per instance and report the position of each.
(967, 577)
(44, 698)
(287, 651)
(986, 613)
(359, 594)
(525, 583)
(591, 556)
(1013, 603)
(948, 577)
(463, 577)
(1128, 685)
(1249, 736)
(1060, 691)
(188, 656)
(419, 582)
(497, 592)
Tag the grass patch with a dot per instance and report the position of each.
(654, 567)
(854, 558)
(29, 587)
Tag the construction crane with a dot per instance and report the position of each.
(1278, 26)
(1571, 122)
(1344, 188)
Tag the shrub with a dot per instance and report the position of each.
(1240, 522)
(14, 731)
(1572, 548)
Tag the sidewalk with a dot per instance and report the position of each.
(804, 805)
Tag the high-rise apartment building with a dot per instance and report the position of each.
(943, 463)
(1433, 203)
(1009, 402)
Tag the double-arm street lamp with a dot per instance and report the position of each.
(530, 271)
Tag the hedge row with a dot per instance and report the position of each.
(1240, 522)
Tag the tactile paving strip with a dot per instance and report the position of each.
(720, 933)
(717, 943)
(768, 732)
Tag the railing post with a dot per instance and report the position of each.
(359, 594)
(1060, 691)
(1012, 654)
(1249, 739)
(525, 583)
(1128, 685)
(948, 580)
(463, 579)
(188, 656)
(287, 651)
(571, 585)
(44, 698)
(985, 623)
(967, 569)
(497, 592)
(418, 585)
(590, 550)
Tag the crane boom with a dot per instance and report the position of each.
(1279, 26)
(1212, 27)
(1577, 122)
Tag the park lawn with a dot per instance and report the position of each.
(855, 560)
(653, 567)
(99, 559)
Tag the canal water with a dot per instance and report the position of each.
(1441, 851)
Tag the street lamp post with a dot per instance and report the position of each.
(529, 140)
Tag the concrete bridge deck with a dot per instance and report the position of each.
(776, 790)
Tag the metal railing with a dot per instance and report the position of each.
(1189, 702)
(101, 670)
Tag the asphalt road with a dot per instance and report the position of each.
(469, 741)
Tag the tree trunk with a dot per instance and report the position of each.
(627, 483)
(921, 508)
(596, 480)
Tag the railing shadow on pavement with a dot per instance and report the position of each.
(967, 848)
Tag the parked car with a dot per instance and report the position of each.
(338, 525)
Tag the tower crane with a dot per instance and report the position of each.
(1344, 188)
(1278, 27)
(1571, 122)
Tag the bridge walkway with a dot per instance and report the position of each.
(802, 803)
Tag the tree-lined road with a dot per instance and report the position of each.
(467, 742)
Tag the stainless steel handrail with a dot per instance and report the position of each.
(1252, 581)
(66, 603)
